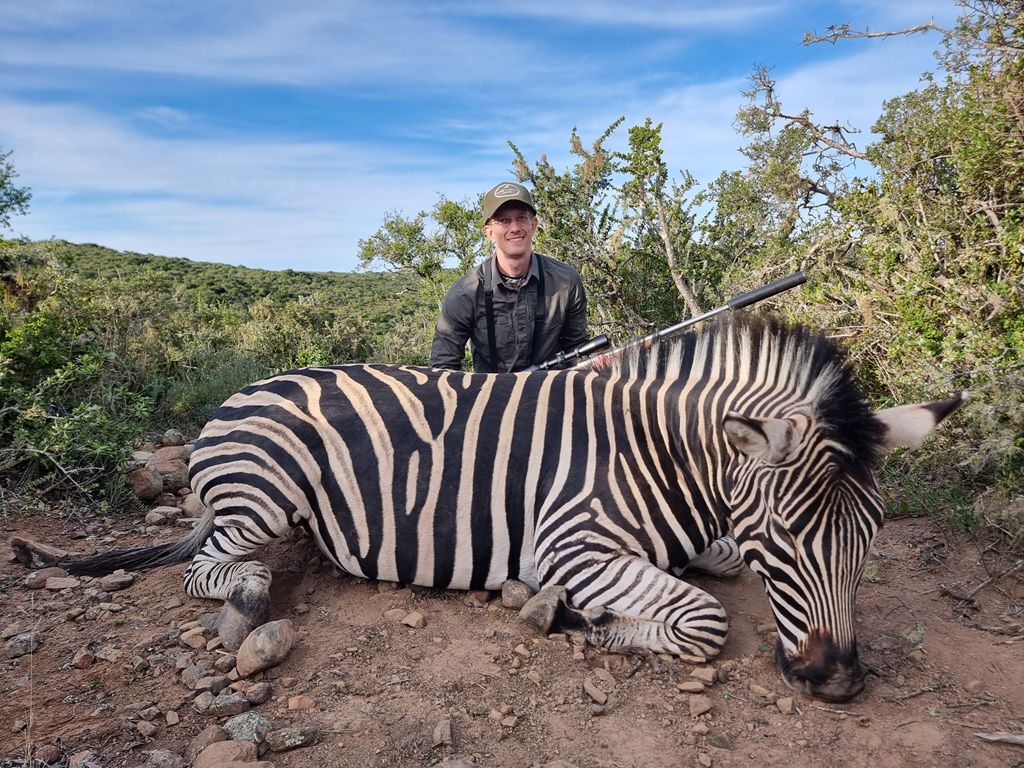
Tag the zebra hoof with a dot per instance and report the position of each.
(233, 627)
(541, 610)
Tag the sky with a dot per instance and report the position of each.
(277, 134)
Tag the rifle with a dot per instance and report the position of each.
(598, 343)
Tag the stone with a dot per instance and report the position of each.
(57, 583)
(704, 759)
(23, 644)
(146, 729)
(285, 739)
(760, 690)
(250, 726)
(172, 437)
(222, 752)
(443, 732)
(414, 619)
(192, 506)
(47, 753)
(228, 704)
(721, 741)
(193, 638)
(84, 658)
(163, 758)
(209, 735)
(117, 581)
(38, 579)
(155, 518)
(202, 702)
(171, 452)
(706, 675)
(265, 647)
(173, 473)
(258, 693)
(535, 676)
(595, 693)
(300, 702)
(171, 717)
(213, 683)
(146, 483)
(515, 594)
(691, 686)
(396, 614)
(699, 705)
(84, 759)
(786, 705)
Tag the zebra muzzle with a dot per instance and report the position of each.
(822, 670)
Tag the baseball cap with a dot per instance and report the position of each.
(506, 192)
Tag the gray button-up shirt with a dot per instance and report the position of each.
(464, 318)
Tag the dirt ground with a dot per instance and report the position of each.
(379, 692)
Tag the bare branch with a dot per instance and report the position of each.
(837, 32)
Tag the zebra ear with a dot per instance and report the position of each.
(766, 439)
(906, 426)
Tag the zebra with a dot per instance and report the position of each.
(745, 443)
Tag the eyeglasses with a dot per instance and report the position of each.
(506, 221)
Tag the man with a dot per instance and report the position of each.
(516, 309)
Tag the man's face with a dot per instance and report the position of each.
(511, 229)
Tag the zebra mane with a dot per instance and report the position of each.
(802, 364)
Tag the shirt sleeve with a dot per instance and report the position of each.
(453, 328)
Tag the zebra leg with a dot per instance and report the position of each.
(217, 573)
(628, 603)
(721, 558)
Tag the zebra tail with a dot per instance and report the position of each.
(142, 558)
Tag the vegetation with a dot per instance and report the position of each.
(914, 245)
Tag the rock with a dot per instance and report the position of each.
(155, 518)
(705, 675)
(704, 759)
(699, 705)
(163, 758)
(173, 473)
(248, 727)
(193, 638)
(443, 732)
(265, 647)
(23, 644)
(171, 717)
(760, 690)
(214, 683)
(396, 614)
(691, 686)
(209, 735)
(701, 729)
(146, 483)
(192, 506)
(19, 726)
(414, 619)
(219, 753)
(300, 702)
(721, 741)
(202, 702)
(172, 437)
(38, 579)
(146, 728)
(84, 659)
(57, 583)
(510, 721)
(171, 452)
(116, 581)
(84, 759)
(258, 693)
(786, 705)
(228, 704)
(192, 674)
(535, 676)
(515, 594)
(47, 753)
(224, 662)
(595, 693)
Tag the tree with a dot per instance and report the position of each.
(13, 200)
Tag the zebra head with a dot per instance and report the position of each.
(806, 507)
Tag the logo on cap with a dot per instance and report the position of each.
(507, 190)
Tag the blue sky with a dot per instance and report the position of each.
(278, 134)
